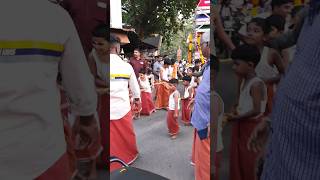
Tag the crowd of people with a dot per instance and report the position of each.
(153, 84)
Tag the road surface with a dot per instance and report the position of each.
(160, 154)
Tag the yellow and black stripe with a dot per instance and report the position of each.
(119, 76)
(26, 47)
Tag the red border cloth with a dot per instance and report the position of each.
(123, 140)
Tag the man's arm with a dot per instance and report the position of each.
(222, 35)
(190, 93)
(176, 100)
(134, 86)
(76, 76)
(200, 73)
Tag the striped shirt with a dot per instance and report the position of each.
(294, 149)
(200, 118)
(39, 41)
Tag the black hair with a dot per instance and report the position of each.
(149, 70)
(261, 22)
(186, 78)
(247, 53)
(197, 61)
(142, 71)
(191, 68)
(275, 3)
(276, 21)
(137, 49)
(167, 61)
(173, 81)
(114, 39)
(173, 61)
(101, 31)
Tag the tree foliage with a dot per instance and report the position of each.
(176, 40)
(164, 17)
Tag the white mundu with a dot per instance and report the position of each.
(43, 41)
(245, 99)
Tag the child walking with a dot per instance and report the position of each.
(185, 100)
(250, 111)
(173, 109)
(146, 95)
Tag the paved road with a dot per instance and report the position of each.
(158, 153)
(171, 158)
(226, 87)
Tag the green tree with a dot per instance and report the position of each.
(164, 17)
(178, 39)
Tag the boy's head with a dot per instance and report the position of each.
(189, 71)
(137, 53)
(245, 58)
(197, 63)
(257, 31)
(100, 36)
(158, 58)
(167, 62)
(114, 44)
(173, 61)
(186, 80)
(142, 74)
(173, 83)
(277, 25)
(282, 7)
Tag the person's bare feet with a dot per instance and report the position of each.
(174, 137)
